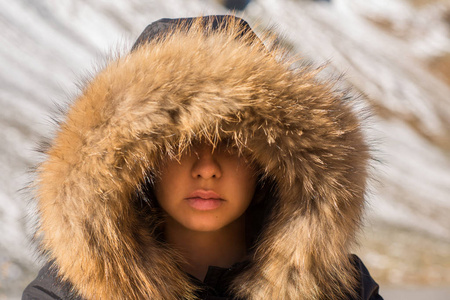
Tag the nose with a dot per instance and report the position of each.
(206, 165)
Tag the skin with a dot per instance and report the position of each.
(215, 236)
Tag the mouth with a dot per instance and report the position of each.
(205, 195)
(204, 200)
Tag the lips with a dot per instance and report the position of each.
(204, 200)
(204, 194)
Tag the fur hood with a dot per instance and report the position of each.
(210, 82)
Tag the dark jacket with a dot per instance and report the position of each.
(216, 284)
(204, 79)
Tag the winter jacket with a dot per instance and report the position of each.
(212, 79)
(215, 286)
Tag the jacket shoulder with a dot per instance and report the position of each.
(47, 286)
(368, 289)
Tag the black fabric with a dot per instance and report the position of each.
(217, 281)
(159, 29)
(236, 4)
(47, 286)
(367, 288)
(215, 286)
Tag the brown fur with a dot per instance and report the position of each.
(156, 101)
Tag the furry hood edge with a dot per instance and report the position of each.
(212, 84)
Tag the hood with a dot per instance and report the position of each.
(205, 78)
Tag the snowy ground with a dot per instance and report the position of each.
(383, 46)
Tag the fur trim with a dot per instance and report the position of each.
(154, 102)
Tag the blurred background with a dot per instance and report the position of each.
(395, 52)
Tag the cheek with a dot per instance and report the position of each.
(167, 185)
(247, 174)
(245, 182)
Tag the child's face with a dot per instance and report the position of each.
(206, 190)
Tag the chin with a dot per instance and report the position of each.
(205, 226)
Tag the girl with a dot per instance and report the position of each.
(203, 166)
